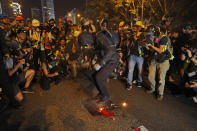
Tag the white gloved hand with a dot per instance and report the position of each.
(97, 67)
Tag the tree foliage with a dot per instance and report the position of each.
(149, 9)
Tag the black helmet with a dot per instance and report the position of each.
(187, 29)
(154, 29)
(51, 19)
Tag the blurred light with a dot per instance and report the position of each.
(78, 15)
(11, 5)
(69, 14)
(124, 104)
(101, 109)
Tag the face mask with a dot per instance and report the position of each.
(157, 40)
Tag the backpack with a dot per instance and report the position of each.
(86, 39)
(170, 49)
(45, 83)
(167, 54)
(115, 37)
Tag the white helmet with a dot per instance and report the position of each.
(35, 23)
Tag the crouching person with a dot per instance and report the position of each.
(19, 74)
(48, 73)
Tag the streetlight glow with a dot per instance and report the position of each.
(124, 104)
(69, 14)
(78, 15)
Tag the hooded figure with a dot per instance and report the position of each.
(107, 41)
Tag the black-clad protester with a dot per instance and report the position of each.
(106, 40)
(50, 70)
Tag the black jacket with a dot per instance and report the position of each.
(86, 39)
(106, 45)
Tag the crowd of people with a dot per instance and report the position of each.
(31, 51)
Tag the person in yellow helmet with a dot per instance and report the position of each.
(135, 57)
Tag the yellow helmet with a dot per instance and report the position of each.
(121, 23)
(35, 23)
(139, 23)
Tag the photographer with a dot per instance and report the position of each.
(136, 53)
(53, 29)
(161, 62)
(14, 77)
(21, 49)
(74, 53)
(50, 70)
(47, 39)
(35, 35)
(191, 72)
(184, 41)
(5, 26)
(11, 90)
(125, 43)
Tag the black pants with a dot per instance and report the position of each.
(36, 57)
(101, 78)
(9, 88)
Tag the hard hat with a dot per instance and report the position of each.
(121, 23)
(18, 18)
(139, 23)
(35, 23)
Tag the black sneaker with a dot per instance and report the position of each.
(129, 87)
(98, 97)
(103, 100)
(139, 85)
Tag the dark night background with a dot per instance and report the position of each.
(61, 6)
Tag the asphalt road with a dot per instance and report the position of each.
(62, 109)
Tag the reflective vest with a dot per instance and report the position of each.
(168, 47)
(139, 47)
(35, 35)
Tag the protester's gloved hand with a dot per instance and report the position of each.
(97, 67)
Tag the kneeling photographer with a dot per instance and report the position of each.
(22, 54)
(190, 76)
(12, 90)
(50, 70)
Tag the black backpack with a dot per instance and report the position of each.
(86, 39)
(45, 82)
